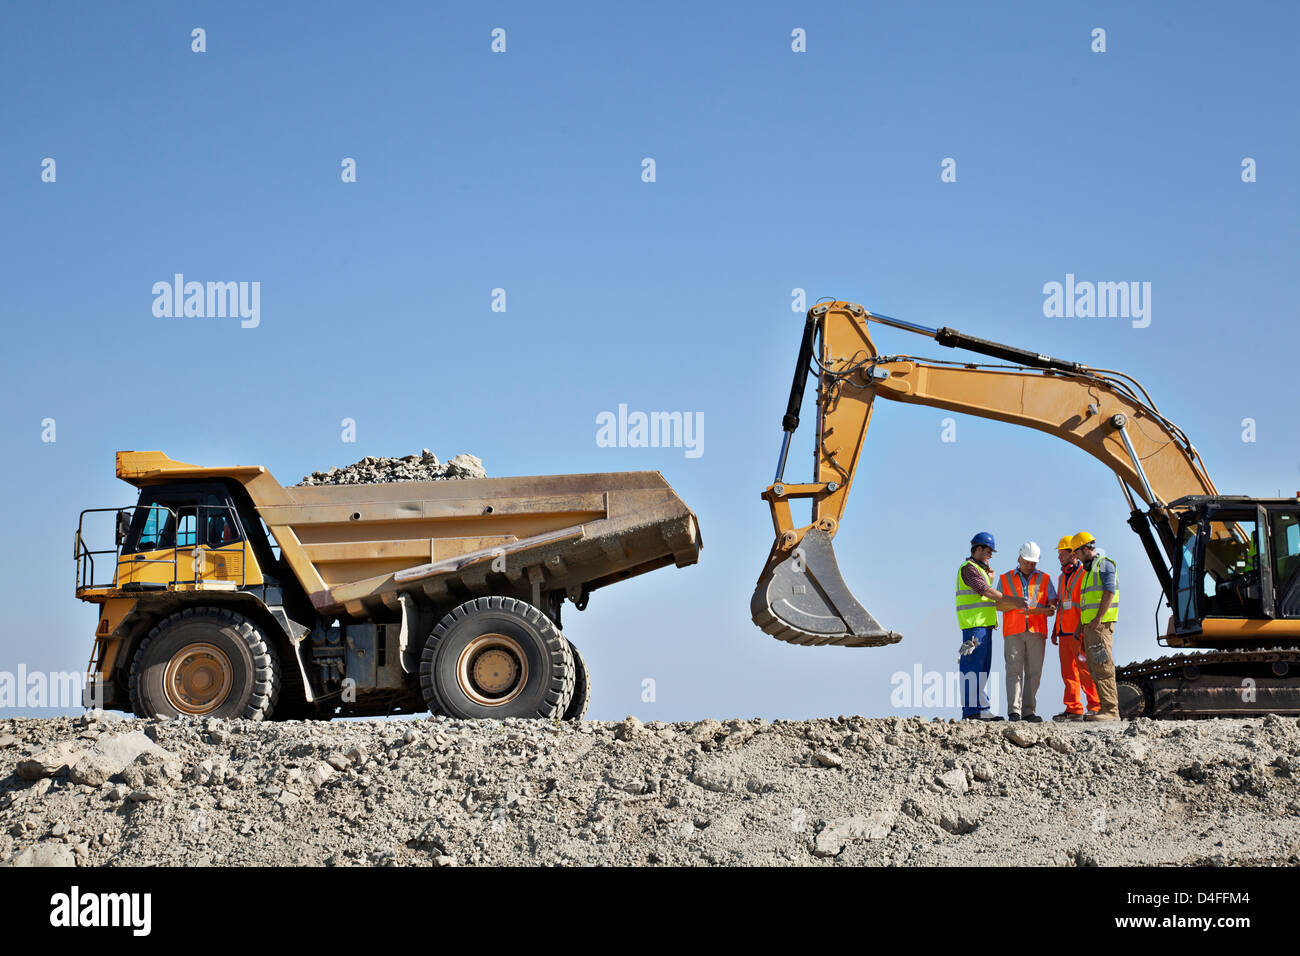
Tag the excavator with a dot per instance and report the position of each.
(1228, 565)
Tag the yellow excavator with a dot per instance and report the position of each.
(1229, 566)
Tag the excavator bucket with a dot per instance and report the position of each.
(801, 598)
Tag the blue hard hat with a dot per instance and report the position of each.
(984, 539)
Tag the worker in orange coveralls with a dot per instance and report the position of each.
(1074, 665)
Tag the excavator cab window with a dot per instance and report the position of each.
(1186, 611)
(1285, 530)
(1286, 546)
(1230, 570)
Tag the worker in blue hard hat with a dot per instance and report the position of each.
(978, 603)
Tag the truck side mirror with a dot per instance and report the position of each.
(123, 526)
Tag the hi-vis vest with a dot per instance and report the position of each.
(1017, 622)
(1091, 594)
(972, 609)
(1070, 592)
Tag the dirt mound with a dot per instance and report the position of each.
(103, 790)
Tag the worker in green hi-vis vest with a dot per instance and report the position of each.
(1097, 617)
(978, 603)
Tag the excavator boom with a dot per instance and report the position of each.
(801, 596)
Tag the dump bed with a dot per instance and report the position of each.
(357, 548)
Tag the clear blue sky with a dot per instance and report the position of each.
(522, 171)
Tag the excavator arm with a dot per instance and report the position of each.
(801, 597)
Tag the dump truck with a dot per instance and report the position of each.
(1228, 565)
(228, 595)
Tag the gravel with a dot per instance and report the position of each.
(117, 791)
(422, 467)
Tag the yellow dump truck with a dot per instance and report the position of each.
(228, 595)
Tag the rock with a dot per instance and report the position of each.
(955, 780)
(153, 768)
(958, 822)
(93, 770)
(44, 854)
(705, 730)
(444, 860)
(338, 761)
(48, 762)
(320, 773)
(835, 835)
(1020, 736)
(423, 467)
(111, 755)
(7, 740)
(828, 759)
(982, 771)
(628, 729)
(1060, 745)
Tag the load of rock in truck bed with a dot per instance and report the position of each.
(377, 470)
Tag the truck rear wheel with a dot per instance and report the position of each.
(205, 662)
(577, 708)
(496, 657)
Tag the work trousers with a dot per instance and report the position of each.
(1099, 648)
(974, 669)
(1023, 656)
(1074, 673)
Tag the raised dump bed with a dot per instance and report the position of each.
(367, 598)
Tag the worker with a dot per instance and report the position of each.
(1074, 666)
(1024, 633)
(977, 616)
(1098, 613)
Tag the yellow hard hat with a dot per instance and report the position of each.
(1080, 539)
(1065, 544)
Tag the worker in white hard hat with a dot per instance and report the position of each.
(1024, 633)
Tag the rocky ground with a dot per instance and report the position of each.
(422, 467)
(107, 790)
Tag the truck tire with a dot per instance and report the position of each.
(577, 708)
(208, 662)
(496, 657)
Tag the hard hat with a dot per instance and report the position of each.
(1080, 539)
(1066, 543)
(1029, 551)
(983, 539)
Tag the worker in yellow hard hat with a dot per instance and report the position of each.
(1065, 634)
(1098, 613)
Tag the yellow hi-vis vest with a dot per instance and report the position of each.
(1091, 594)
(972, 609)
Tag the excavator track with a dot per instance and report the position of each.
(1204, 684)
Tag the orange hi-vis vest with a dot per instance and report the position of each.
(1016, 622)
(1070, 591)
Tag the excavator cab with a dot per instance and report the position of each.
(1236, 558)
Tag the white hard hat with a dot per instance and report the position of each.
(1029, 551)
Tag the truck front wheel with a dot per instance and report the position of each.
(205, 662)
(497, 657)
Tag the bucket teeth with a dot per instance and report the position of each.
(801, 598)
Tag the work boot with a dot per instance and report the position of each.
(1067, 715)
(1013, 716)
(989, 715)
(1098, 715)
(1032, 718)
